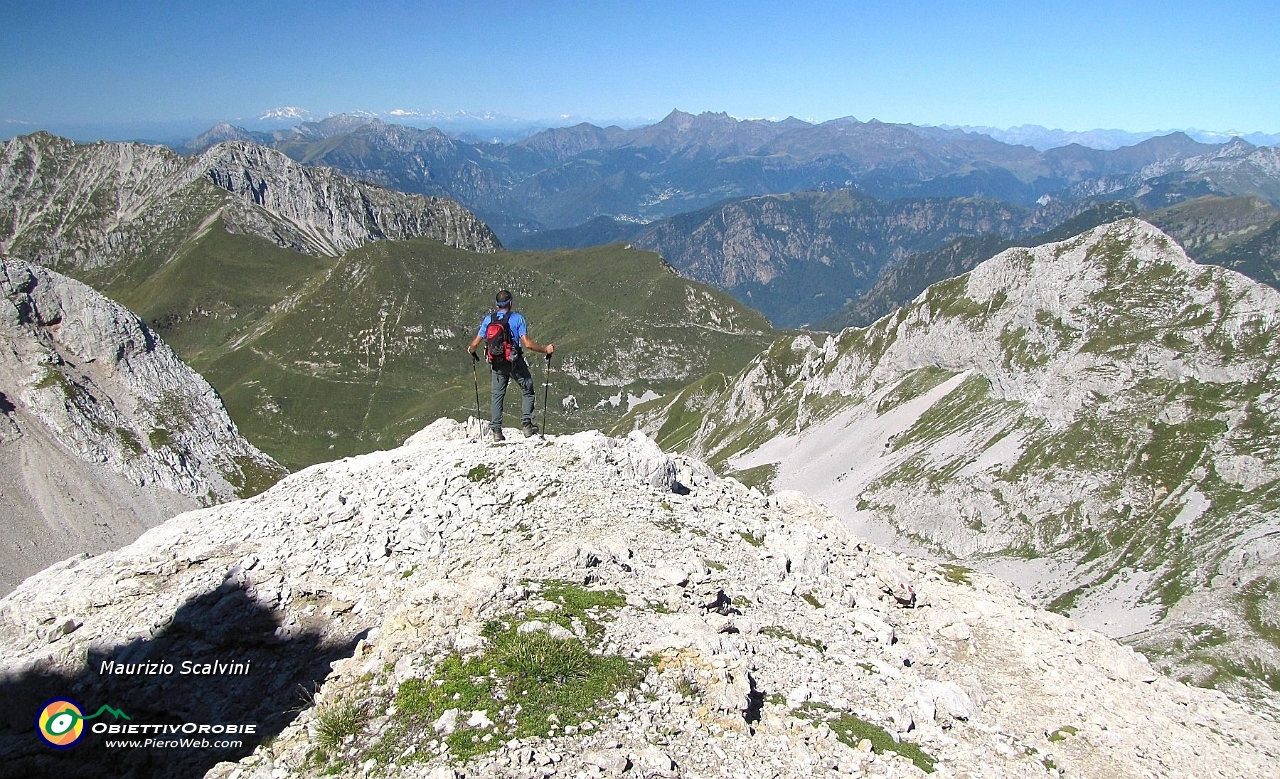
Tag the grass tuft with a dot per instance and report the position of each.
(956, 574)
(527, 684)
(774, 631)
(1061, 733)
(336, 722)
(481, 473)
(541, 658)
(850, 730)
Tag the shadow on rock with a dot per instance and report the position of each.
(242, 668)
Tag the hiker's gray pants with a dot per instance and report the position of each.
(520, 372)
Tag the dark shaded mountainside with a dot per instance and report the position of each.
(900, 283)
(1238, 233)
(797, 257)
(840, 259)
(330, 314)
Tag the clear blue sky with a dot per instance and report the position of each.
(1074, 65)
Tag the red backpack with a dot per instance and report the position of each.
(500, 348)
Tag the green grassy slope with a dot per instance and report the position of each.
(319, 358)
(215, 289)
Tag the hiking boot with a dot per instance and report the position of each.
(497, 434)
(529, 429)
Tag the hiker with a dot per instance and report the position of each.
(505, 334)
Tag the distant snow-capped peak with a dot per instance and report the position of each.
(286, 113)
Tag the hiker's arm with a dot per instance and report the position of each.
(533, 345)
(474, 343)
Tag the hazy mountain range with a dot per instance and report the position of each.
(490, 126)
(1043, 138)
(586, 185)
(565, 177)
(1228, 193)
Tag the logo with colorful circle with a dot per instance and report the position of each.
(61, 722)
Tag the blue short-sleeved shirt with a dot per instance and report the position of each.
(519, 327)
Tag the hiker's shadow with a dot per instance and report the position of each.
(263, 678)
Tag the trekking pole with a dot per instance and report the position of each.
(476, 380)
(546, 386)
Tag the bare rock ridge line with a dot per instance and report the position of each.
(104, 431)
(338, 213)
(599, 608)
(83, 207)
(1094, 419)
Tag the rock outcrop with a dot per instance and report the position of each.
(328, 212)
(104, 431)
(579, 606)
(83, 209)
(1095, 419)
(1237, 168)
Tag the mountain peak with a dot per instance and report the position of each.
(340, 124)
(1237, 147)
(1053, 403)
(285, 113)
(219, 133)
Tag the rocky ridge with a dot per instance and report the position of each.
(755, 634)
(1095, 419)
(80, 208)
(329, 212)
(1237, 168)
(104, 431)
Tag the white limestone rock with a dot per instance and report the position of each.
(724, 694)
(109, 432)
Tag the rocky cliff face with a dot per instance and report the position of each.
(331, 213)
(104, 431)
(598, 609)
(90, 209)
(1095, 419)
(800, 257)
(1237, 168)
